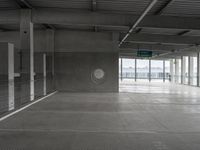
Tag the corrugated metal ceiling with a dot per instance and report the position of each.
(7, 4)
(70, 4)
(183, 8)
(175, 7)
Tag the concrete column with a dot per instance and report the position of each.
(172, 70)
(176, 70)
(182, 69)
(191, 70)
(164, 76)
(149, 70)
(198, 69)
(135, 70)
(121, 69)
(50, 46)
(6, 77)
(44, 75)
(27, 50)
(11, 86)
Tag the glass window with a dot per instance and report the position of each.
(128, 69)
(157, 70)
(167, 71)
(142, 70)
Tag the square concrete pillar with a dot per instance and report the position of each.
(27, 58)
(135, 70)
(176, 70)
(198, 69)
(190, 70)
(149, 70)
(50, 59)
(44, 75)
(164, 71)
(182, 70)
(6, 77)
(172, 70)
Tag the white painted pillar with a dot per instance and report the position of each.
(27, 50)
(184, 70)
(182, 73)
(7, 76)
(121, 69)
(149, 70)
(164, 71)
(135, 70)
(176, 70)
(11, 86)
(172, 70)
(44, 75)
(191, 70)
(198, 69)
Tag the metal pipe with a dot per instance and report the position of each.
(147, 9)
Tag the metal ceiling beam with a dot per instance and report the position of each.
(183, 32)
(106, 19)
(94, 5)
(63, 17)
(4, 29)
(94, 8)
(152, 47)
(147, 9)
(165, 39)
(24, 4)
(162, 8)
(181, 52)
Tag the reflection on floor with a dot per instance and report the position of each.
(142, 117)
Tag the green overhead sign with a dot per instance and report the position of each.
(144, 53)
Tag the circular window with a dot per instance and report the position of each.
(98, 76)
(99, 73)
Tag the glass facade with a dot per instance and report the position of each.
(183, 70)
(157, 72)
(142, 70)
(160, 70)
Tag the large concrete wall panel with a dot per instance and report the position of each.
(13, 37)
(74, 41)
(74, 71)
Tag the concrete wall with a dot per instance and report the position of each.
(78, 54)
(75, 52)
(74, 71)
(74, 41)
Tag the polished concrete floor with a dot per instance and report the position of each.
(142, 117)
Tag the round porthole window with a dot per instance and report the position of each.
(98, 76)
(99, 73)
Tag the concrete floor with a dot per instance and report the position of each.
(151, 117)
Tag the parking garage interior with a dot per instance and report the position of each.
(99, 74)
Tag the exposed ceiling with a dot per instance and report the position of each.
(168, 20)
